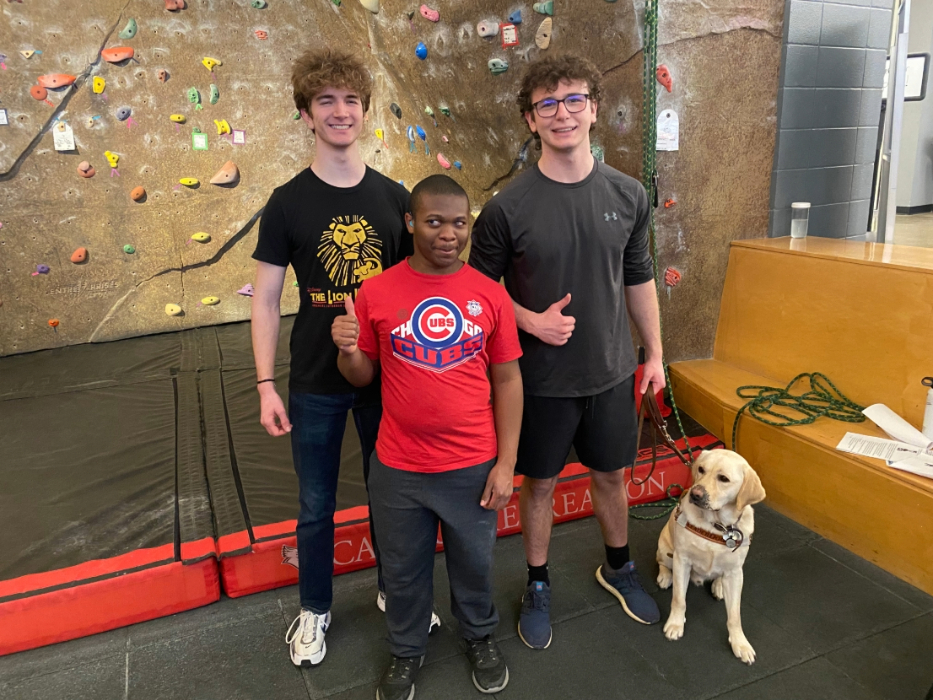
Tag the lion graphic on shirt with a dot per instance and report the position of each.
(350, 250)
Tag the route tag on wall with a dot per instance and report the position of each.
(63, 137)
(509, 35)
(668, 131)
(4, 121)
(198, 141)
(239, 137)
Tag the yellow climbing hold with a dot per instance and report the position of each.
(210, 301)
(371, 5)
(177, 118)
(173, 309)
(98, 85)
(222, 127)
(112, 158)
(380, 134)
(201, 237)
(210, 63)
(189, 181)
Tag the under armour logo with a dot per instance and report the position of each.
(612, 216)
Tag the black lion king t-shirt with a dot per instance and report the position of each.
(334, 238)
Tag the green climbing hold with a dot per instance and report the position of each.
(129, 31)
(258, 4)
(445, 111)
(544, 8)
(296, 116)
(215, 94)
(128, 249)
(295, 283)
(194, 97)
(498, 66)
(598, 152)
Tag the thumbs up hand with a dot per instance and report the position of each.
(552, 326)
(346, 329)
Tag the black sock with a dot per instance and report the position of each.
(538, 573)
(617, 557)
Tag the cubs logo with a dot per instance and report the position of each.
(350, 250)
(437, 337)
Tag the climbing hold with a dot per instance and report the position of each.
(172, 5)
(246, 290)
(177, 118)
(598, 153)
(222, 127)
(38, 92)
(124, 113)
(498, 65)
(669, 203)
(261, 34)
(443, 161)
(227, 174)
(53, 322)
(444, 138)
(194, 97)
(445, 110)
(411, 139)
(543, 35)
(429, 111)
(215, 94)
(544, 8)
(56, 80)
(173, 309)
(98, 84)
(672, 276)
(211, 63)
(485, 29)
(516, 17)
(85, 169)
(201, 237)
(258, 4)
(396, 110)
(421, 51)
(371, 5)
(421, 133)
(138, 193)
(27, 54)
(381, 135)
(129, 31)
(297, 115)
(411, 16)
(163, 75)
(41, 270)
(112, 158)
(664, 77)
(190, 181)
(210, 301)
(458, 165)
(117, 54)
(79, 256)
(128, 249)
(429, 14)
(295, 283)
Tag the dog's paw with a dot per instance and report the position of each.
(673, 629)
(743, 650)
(665, 578)
(717, 589)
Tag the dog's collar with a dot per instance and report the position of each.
(728, 535)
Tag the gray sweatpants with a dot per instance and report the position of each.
(407, 507)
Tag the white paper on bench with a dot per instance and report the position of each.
(897, 427)
(896, 454)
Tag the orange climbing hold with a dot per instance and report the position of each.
(664, 77)
(53, 322)
(85, 169)
(79, 256)
(172, 5)
(138, 193)
(227, 174)
(669, 203)
(672, 276)
(117, 54)
(38, 92)
(56, 80)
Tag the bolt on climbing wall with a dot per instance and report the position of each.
(140, 139)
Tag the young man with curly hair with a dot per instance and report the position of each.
(570, 236)
(336, 223)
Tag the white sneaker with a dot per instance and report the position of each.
(306, 642)
(435, 620)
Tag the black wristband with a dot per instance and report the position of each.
(263, 381)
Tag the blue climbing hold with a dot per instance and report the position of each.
(457, 164)
(516, 17)
(421, 51)
(421, 133)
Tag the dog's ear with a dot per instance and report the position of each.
(751, 492)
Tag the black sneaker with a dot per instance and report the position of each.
(490, 674)
(398, 682)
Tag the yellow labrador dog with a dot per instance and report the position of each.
(707, 537)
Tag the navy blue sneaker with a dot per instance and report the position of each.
(534, 624)
(625, 585)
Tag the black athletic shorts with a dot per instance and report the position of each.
(602, 429)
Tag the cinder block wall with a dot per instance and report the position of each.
(829, 107)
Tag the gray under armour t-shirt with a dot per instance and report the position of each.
(590, 239)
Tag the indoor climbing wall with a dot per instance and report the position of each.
(140, 139)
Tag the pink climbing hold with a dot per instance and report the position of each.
(429, 14)
(246, 290)
(443, 161)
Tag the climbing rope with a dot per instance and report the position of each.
(649, 131)
(823, 399)
(668, 504)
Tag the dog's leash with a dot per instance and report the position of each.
(651, 410)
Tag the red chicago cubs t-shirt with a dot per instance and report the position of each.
(435, 337)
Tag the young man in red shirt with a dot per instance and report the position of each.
(445, 338)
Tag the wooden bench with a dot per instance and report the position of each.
(862, 314)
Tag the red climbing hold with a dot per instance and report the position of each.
(38, 92)
(672, 277)
(669, 203)
(664, 77)
(56, 80)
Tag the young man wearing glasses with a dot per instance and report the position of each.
(570, 236)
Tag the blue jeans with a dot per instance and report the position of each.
(318, 424)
